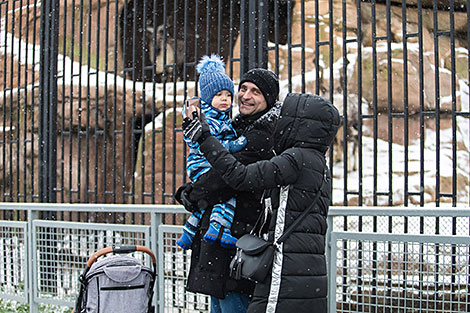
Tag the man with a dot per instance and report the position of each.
(209, 272)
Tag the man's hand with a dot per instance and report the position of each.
(182, 196)
(196, 129)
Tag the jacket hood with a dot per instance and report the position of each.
(307, 121)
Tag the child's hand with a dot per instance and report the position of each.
(196, 129)
(237, 144)
(192, 106)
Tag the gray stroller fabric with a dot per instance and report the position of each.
(118, 284)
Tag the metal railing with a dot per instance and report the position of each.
(380, 259)
(399, 260)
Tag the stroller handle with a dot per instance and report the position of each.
(121, 250)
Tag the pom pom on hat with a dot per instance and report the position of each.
(212, 77)
(210, 64)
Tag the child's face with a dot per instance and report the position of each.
(222, 100)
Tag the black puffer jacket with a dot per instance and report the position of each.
(305, 129)
(209, 269)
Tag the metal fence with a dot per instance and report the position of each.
(91, 91)
(399, 260)
(42, 259)
(379, 259)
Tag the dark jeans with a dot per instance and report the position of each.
(233, 303)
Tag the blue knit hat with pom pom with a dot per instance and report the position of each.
(212, 77)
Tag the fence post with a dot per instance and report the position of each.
(329, 266)
(47, 134)
(156, 246)
(254, 40)
(30, 261)
(48, 101)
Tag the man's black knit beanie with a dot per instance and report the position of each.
(266, 81)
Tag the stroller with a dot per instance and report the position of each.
(118, 284)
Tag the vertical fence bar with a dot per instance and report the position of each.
(454, 268)
(276, 35)
(318, 70)
(175, 74)
(468, 83)
(47, 129)
(359, 105)
(390, 143)
(454, 99)
(154, 112)
(302, 43)
(71, 146)
(104, 179)
(375, 150)
(421, 143)
(80, 109)
(33, 140)
(25, 108)
(252, 42)
(19, 127)
(87, 108)
(437, 95)
(344, 91)
(263, 34)
(389, 103)
(405, 136)
(48, 101)
(136, 18)
(421, 99)
(230, 60)
(146, 60)
(31, 260)
(63, 133)
(289, 44)
(244, 66)
(4, 135)
(10, 118)
(405, 102)
(156, 246)
(437, 114)
(374, 97)
(97, 132)
(164, 107)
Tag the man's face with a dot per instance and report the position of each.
(250, 99)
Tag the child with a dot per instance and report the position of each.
(216, 103)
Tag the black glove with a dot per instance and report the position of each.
(182, 196)
(196, 129)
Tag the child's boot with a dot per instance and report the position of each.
(185, 241)
(215, 232)
(227, 240)
(212, 233)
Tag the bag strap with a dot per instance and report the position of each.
(304, 214)
(261, 215)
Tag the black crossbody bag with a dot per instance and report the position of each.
(254, 256)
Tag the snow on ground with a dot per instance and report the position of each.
(429, 154)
